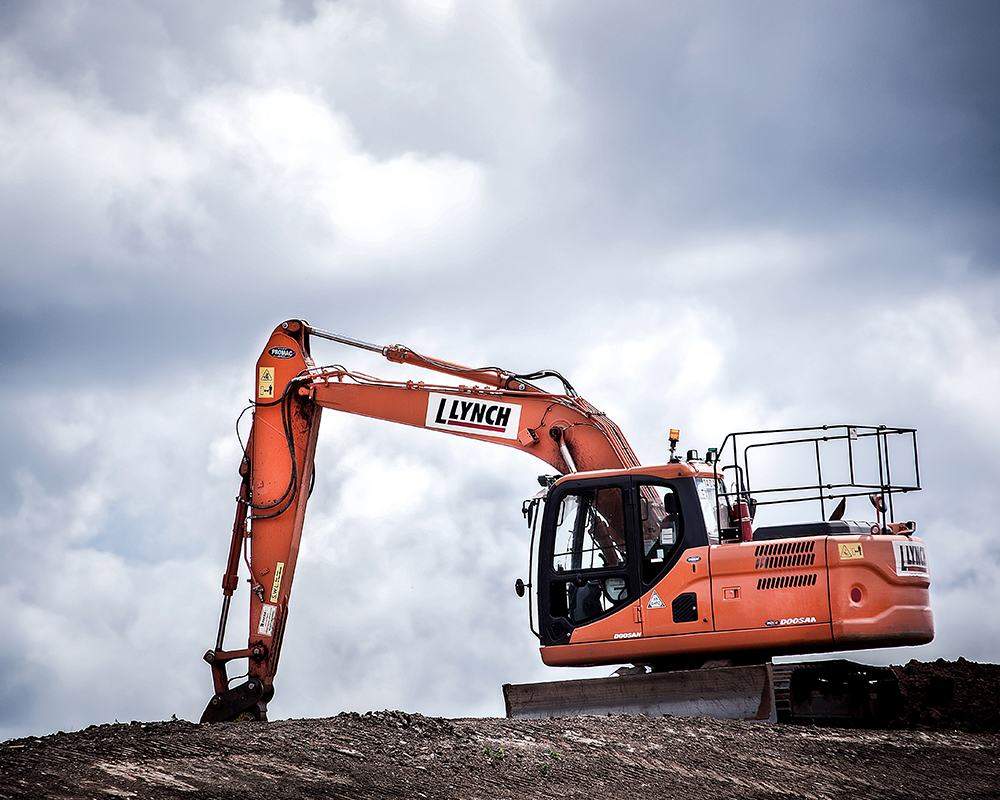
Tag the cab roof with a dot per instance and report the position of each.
(675, 469)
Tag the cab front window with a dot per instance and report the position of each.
(590, 555)
(590, 532)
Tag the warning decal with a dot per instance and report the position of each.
(850, 551)
(655, 601)
(265, 383)
(279, 570)
(267, 615)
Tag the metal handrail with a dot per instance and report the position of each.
(820, 491)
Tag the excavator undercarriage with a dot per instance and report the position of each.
(835, 692)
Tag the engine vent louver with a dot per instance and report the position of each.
(780, 555)
(787, 581)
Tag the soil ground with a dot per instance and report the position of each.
(393, 754)
(953, 694)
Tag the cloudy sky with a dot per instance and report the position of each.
(712, 216)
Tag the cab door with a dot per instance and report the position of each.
(588, 572)
(675, 584)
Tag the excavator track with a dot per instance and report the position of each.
(836, 692)
(782, 683)
(833, 692)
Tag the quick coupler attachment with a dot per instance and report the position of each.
(248, 701)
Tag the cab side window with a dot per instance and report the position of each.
(662, 528)
(713, 506)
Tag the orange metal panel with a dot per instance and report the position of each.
(763, 584)
(886, 609)
(623, 624)
(680, 469)
(761, 603)
(685, 576)
(798, 639)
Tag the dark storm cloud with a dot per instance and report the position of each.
(713, 216)
(666, 126)
(819, 115)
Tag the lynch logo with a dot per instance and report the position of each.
(464, 414)
(911, 558)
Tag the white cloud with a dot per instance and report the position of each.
(946, 351)
(295, 153)
(122, 190)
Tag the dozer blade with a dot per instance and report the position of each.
(720, 692)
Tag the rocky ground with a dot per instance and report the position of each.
(392, 754)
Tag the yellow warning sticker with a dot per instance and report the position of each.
(850, 551)
(279, 570)
(265, 383)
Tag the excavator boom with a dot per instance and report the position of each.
(497, 407)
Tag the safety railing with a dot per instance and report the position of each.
(735, 455)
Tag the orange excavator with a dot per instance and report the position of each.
(660, 567)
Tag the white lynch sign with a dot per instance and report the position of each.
(464, 414)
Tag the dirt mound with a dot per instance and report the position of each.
(949, 747)
(950, 694)
(392, 754)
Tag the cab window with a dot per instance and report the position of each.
(662, 528)
(590, 531)
(584, 600)
(716, 512)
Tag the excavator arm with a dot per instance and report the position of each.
(496, 406)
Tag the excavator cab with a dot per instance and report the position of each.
(605, 540)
